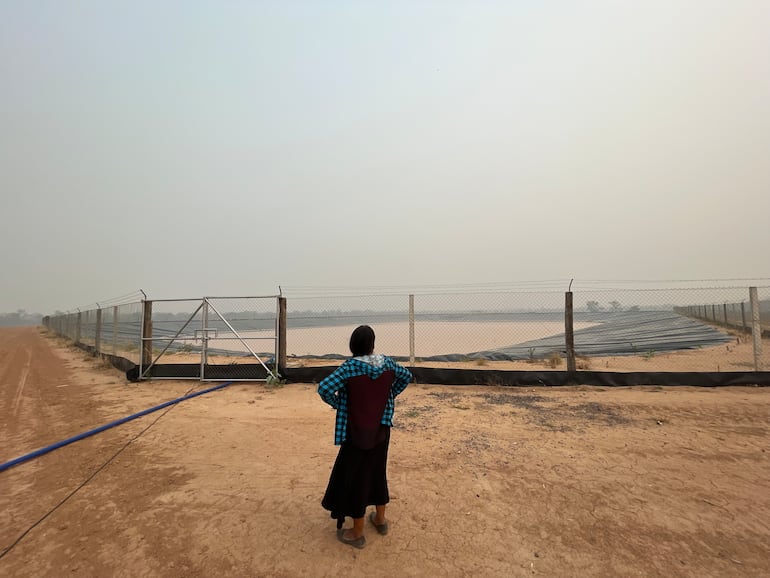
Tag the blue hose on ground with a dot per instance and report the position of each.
(57, 445)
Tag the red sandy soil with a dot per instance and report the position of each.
(485, 481)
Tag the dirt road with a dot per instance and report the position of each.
(485, 481)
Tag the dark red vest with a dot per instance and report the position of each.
(366, 404)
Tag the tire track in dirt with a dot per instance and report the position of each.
(9, 349)
(31, 404)
(22, 382)
(34, 412)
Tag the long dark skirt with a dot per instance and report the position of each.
(358, 479)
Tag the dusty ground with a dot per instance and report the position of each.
(485, 481)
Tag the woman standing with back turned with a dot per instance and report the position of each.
(362, 390)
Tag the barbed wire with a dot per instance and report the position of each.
(419, 288)
(132, 297)
(523, 287)
(534, 287)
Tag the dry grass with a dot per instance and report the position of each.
(583, 363)
(554, 360)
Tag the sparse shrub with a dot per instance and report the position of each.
(481, 362)
(649, 355)
(554, 360)
(275, 380)
(583, 363)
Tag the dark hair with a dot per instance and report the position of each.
(362, 341)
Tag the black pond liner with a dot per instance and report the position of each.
(616, 334)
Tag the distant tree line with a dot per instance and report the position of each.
(19, 317)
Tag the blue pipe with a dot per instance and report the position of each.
(61, 444)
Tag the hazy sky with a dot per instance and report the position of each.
(196, 148)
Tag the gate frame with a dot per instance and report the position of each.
(146, 363)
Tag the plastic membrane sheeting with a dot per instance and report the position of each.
(623, 333)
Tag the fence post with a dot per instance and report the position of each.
(204, 337)
(115, 330)
(743, 316)
(756, 328)
(411, 329)
(569, 334)
(146, 335)
(77, 327)
(98, 336)
(281, 353)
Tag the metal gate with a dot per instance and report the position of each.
(211, 339)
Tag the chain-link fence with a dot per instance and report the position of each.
(113, 330)
(212, 338)
(732, 314)
(700, 329)
(624, 330)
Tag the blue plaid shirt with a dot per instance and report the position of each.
(332, 390)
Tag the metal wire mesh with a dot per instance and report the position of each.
(215, 332)
(614, 329)
(112, 330)
(321, 326)
(649, 330)
(446, 326)
(88, 328)
(176, 330)
(733, 311)
(127, 337)
(244, 334)
(482, 326)
(63, 325)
